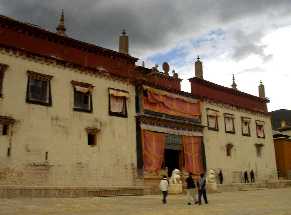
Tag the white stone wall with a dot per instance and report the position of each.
(60, 131)
(243, 156)
(288, 132)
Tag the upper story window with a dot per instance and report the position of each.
(229, 123)
(118, 102)
(3, 68)
(260, 129)
(245, 126)
(82, 96)
(38, 89)
(212, 119)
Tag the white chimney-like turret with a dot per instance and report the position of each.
(198, 68)
(123, 42)
(262, 90)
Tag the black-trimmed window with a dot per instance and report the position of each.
(245, 126)
(38, 89)
(118, 102)
(6, 123)
(228, 149)
(5, 129)
(259, 149)
(229, 123)
(212, 119)
(260, 129)
(92, 136)
(82, 96)
(3, 68)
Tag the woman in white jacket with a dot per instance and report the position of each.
(164, 185)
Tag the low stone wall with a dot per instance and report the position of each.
(67, 192)
(151, 186)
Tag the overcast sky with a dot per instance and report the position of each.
(248, 38)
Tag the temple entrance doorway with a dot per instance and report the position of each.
(172, 160)
(173, 153)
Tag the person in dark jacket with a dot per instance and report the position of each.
(220, 177)
(252, 176)
(246, 177)
(202, 189)
(190, 182)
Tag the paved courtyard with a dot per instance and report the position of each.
(256, 202)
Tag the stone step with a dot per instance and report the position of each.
(67, 192)
(254, 186)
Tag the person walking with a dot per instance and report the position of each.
(202, 189)
(220, 177)
(164, 186)
(246, 177)
(190, 182)
(252, 176)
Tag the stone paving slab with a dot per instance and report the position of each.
(255, 202)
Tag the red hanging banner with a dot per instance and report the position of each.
(153, 150)
(192, 154)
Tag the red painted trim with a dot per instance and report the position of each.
(21, 36)
(208, 90)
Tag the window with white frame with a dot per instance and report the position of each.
(229, 123)
(245, 126)
(118, 102)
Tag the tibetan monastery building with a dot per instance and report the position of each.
(238, 132)
(67, 110)
(75, 114)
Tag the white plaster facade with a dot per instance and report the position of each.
(287, 132)
(60, 131)
(243, 154)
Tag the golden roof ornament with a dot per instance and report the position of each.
(234, 86)
(61, 30)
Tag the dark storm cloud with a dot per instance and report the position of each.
(152, 25)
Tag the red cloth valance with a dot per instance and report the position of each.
(165, 103)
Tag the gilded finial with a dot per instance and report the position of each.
(262, 90)
(61, 27)
(123, 32)
(233, 83)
